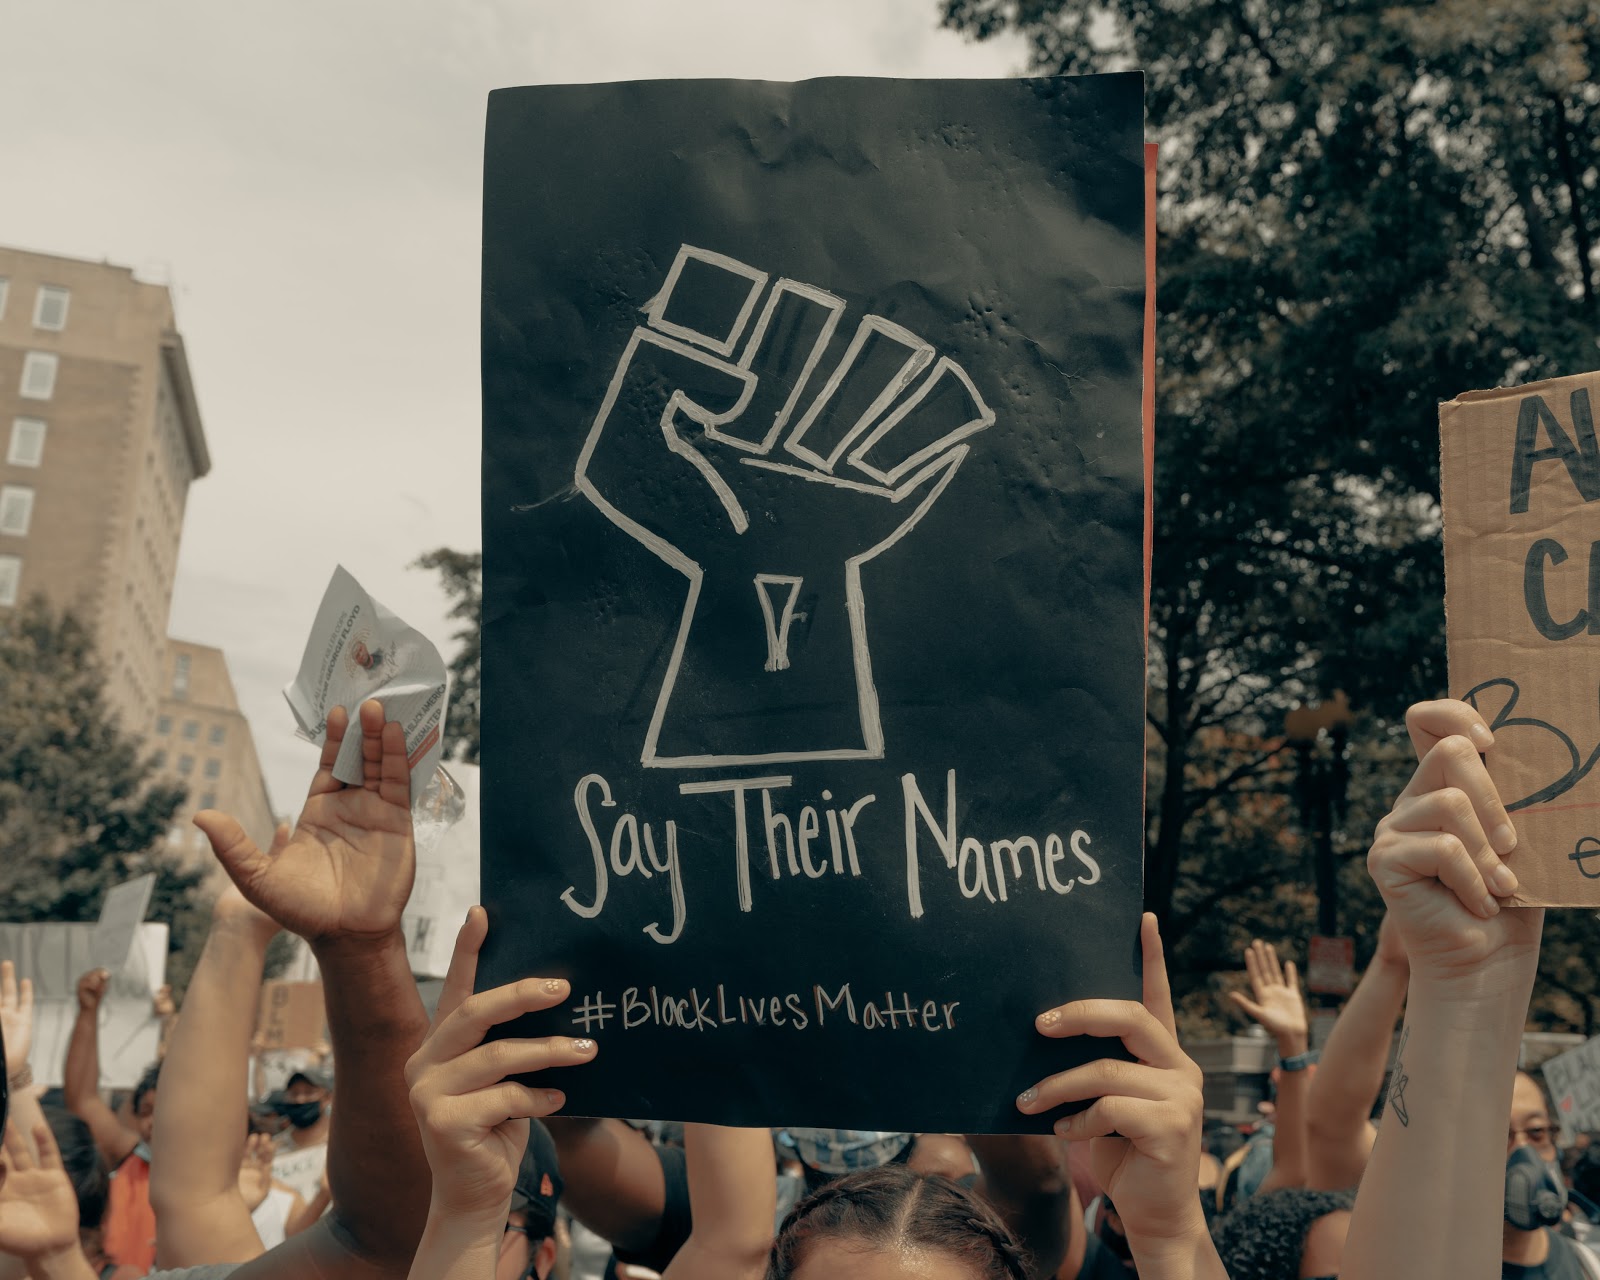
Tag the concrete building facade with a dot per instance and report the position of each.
(100, 438)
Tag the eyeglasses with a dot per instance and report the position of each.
(1538, 1135)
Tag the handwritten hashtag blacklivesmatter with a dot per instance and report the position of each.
(593, 1013)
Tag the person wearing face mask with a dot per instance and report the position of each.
(306, 1102)
(1536, 1197)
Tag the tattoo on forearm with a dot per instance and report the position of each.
(1399, 1080)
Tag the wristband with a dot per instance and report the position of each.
(1298, 1062)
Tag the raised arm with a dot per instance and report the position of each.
(81, 1076)
(1143, 1121)
(341, 882)
(1350, 1074)
(1275, 1002)
(1432, 1199)
(200, 1127)
(733, 1193)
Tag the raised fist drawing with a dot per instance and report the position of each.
(768, 480)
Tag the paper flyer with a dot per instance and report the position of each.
(358, 650)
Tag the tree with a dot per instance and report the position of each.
(1365, 207)
(80, 811)
(461, 575)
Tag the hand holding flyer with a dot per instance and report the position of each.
(360, 650)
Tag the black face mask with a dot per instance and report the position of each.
(1535, 1194)
(302, 1115)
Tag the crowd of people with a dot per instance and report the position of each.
(430, 1157)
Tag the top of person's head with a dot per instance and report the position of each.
(318, 1075)
(539, 1185)
(147, 1083)
(84, 1164)
(1263, 1237)
(895, 1209)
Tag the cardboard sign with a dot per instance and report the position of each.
(1330, 966)
(291, 1016)
(1520, 468)
(813, 650)
(54, 956)
(446, 884)
(1574, 1080)
(121, 914)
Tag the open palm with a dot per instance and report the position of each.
(346, 869)
(38, 1207)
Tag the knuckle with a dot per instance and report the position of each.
(1456, 749)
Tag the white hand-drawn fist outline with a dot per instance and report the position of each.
(869, 453)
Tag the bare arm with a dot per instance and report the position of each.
(1277, 1005)
(733, 1192)
(1440, 1155)
(200, 1125)
(81, 1076)
(615, 1186)
(1352, 1067)
(1025, 1178)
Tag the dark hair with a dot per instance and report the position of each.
(84, 1164)
(894, 1207)
(1263, 1237)
(147, 1084)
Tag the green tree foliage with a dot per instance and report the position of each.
(1365, 207)
(461, 575)
(79, 810)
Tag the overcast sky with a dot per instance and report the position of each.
(306, 174)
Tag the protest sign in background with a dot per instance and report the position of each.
(55, 956)
(1574, 1080)
(814, 507)
(446, 884)
(1519, 470)
(290, 1015)
(120, 917)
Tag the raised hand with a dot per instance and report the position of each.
(1145, 1121)
(1439, 858)
(38, 1207)
(767, 478)
(255, 1170)
(92, 988)
(473, 1120)
(1277, 1004)
(346, 870)
(16, 1019)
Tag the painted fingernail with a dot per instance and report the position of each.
(1026, 1097)
(554, 1098)
(583, 1046)
(1503, 881)
(554, 985)
(1504, 839)
(1490, 905)
(1064, 1126)
(1049, 1018)
(1481, 737)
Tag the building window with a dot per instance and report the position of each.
(186, 765)
(180, 676)
(191, 730)
(10, 578)
(159, 760)
(213, 768)
(217, 734)
(209, 800)
(39, 375)
(16, 509)
(50, 308)
(163, 723)
(27, 443)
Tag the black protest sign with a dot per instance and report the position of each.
(813, 650)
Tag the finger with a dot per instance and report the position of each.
(1141, 1030)
(1400, 859)
(1270, 966)
(372, 727)
(323, 780)
(394, 781)
(1157, 986)
(8, 984)
(18, 1148)
(236, 851)
(463, 971)
(1104, 1077)
(1137, 1119)
(280, 837)
(1429, 722)
(493, 1062)
(1451, 812)
(1251, 1008)
(493, 1106)
(1291, 977)
(44, 1142)
(466, 1027)
(1252, 968)
(1454, 764)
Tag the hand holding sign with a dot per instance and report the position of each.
(1145, 1117)
(861, 457)
(345, 872)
